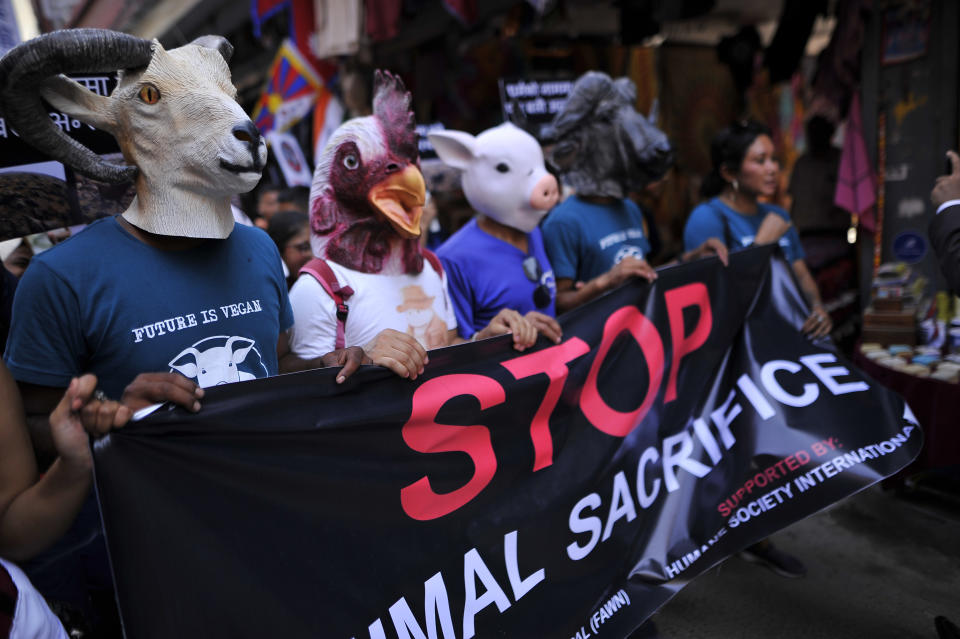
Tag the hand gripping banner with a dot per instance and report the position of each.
(567, 491)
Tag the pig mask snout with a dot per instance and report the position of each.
(545, 193)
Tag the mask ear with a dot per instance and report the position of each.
(217, 43)
(455, 148)
(78, 102)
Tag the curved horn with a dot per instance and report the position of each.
(23, 70)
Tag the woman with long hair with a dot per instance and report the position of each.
(745, 171)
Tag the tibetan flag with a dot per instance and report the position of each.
(301, 27)
(262, 10)
(290, 92)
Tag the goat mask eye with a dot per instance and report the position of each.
(149, 94)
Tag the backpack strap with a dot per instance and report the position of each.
(437, 266)
(321, 271)
(434, 261)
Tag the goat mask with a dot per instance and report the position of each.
(504, 176)
(601, 144)
(174, 115)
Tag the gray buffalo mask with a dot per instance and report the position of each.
(602, 146)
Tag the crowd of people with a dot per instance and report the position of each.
(340, 278)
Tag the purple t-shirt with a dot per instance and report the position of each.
(486, 275)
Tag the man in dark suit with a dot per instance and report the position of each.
(945, 228)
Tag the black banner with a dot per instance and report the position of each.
(539, 100)
(568, 491)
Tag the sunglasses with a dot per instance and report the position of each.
(541, 294)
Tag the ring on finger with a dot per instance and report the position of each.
(99, 395)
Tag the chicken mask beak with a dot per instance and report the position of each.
(400, 199)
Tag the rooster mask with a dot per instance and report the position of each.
(367, 194)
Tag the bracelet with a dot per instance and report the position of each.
(474, 338)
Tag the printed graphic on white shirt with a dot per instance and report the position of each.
(423, 323)
(221, 359)
(417, 305)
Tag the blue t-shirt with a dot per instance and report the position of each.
(736, 230)
(585, 240)
(106, 303)
(485, 275)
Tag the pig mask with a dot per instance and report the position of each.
(504, 176)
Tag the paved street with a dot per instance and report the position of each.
(879, 566)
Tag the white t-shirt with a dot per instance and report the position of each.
(32, 618)
(418, 305)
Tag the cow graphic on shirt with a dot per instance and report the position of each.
(628, 250)
(220, 359)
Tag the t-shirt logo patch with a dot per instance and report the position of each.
(628, 251)
(548, 280)
(220, 359)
